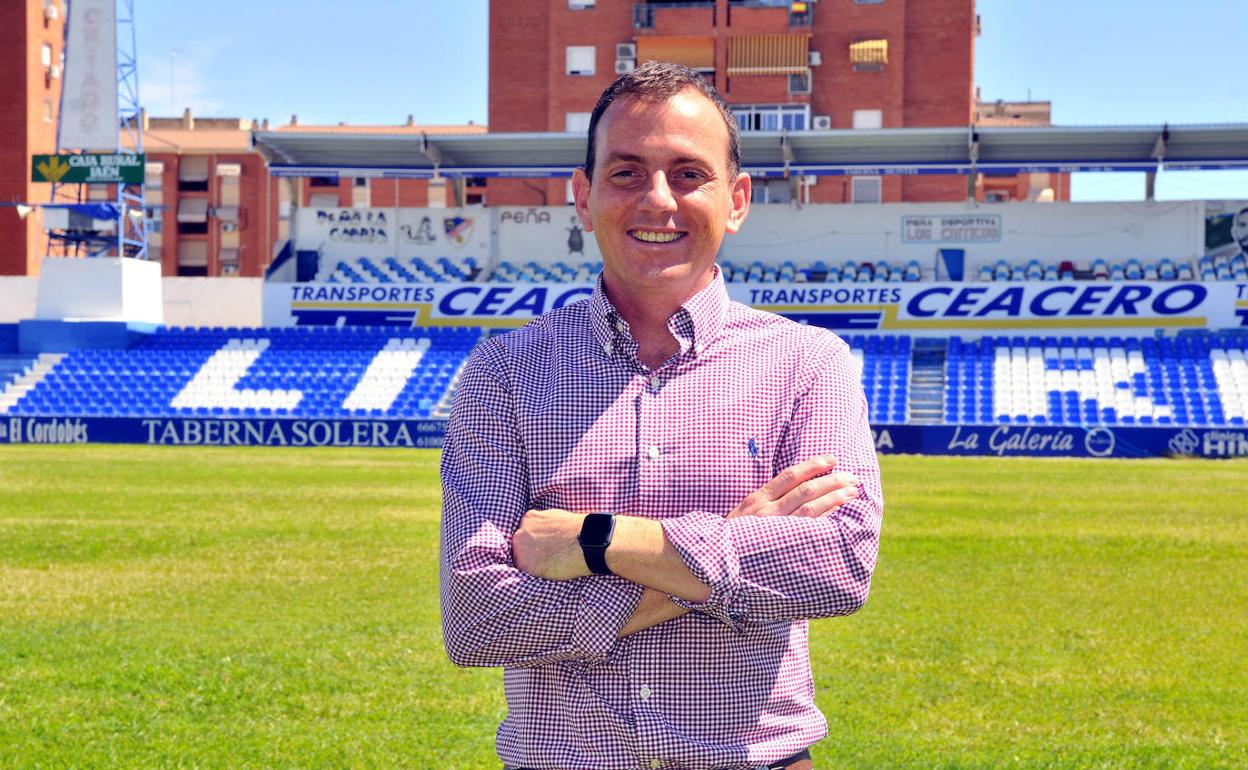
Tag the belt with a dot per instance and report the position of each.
(799, 761)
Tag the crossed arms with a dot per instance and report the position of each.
(515, 587)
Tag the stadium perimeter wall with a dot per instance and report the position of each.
(990, 440)
(187, 301)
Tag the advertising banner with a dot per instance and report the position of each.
(936, 309)
(93, 168)
(989, 440)
(89, 119)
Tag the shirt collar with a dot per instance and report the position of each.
(704, 312)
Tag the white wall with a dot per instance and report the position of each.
(187, 301)
(213, 301)
(1050, 232)
(17, 298)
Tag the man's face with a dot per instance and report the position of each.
(1239, 229)
(662, 198)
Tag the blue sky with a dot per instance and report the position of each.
(1101, 62)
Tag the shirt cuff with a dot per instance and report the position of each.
(705, 545)
(606, 604)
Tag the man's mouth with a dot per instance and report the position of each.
(653, 236)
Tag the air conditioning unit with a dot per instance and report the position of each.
(229, 227)
(54, 72)
(626, 50)
(821, 122)
(814, 58)
(625, 66)
(51, 12)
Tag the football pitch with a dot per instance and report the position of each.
(257, 608)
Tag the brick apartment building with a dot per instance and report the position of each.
(215, 210)
(1001, 187)
(32, 35)
(780, 64)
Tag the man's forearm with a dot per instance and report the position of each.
(640, 553)
(654, 608)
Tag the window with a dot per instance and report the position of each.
(576, 122)
(580, 59)
(772, 117)
(45, 55)
(868, 118)
(580, 5)
(193, 173)
(48, 115)
(866, 189)
(772, 191)
(322, 181)
(193, 254)
(154, 175)
(192, 216)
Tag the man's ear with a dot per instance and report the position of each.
(580, 196)
(741, 189)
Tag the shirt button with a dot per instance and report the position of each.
(656, 763)
(607, 348)
(654, 381)
(619, 326)
(644, 692)
(653, 452)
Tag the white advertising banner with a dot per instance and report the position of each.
(345, 233)
(89, 102)
(924, 309)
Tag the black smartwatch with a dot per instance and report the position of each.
(595, 536)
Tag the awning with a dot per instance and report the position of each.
(193, 210)
(192, 253)
(868, 52)
(193, 168)
(696, 52)
(768, 54)
(229, 169)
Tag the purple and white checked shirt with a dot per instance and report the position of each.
(561, 414)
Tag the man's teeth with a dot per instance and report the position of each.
(641, 235)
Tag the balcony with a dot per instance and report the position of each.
(674, 18)
(798, 13)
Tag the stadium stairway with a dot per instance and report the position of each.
(21, 374)
(927, 382)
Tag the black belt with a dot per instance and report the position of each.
(779, 764)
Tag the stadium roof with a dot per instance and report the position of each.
(847, 152)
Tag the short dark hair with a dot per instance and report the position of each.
(657, 81)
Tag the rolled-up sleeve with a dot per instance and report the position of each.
(788, 567)
(493, 614)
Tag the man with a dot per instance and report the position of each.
(612, 531)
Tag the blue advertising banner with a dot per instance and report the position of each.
(920, 308)
(990, 440)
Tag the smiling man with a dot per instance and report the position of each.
(646, 494)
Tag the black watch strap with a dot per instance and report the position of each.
(595, 537)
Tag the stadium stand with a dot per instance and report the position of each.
(392, 270)
(315, 372)
(1198, 380)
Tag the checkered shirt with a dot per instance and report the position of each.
(562, 414)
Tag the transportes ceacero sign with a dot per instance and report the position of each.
(1119, 307)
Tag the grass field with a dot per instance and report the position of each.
(249, 608)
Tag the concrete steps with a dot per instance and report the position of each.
(29, 370)
(927, 381)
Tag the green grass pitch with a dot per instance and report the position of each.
(256, 608)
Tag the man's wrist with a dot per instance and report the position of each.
(594, 539)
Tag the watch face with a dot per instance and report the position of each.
(596, 529)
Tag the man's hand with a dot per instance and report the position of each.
(546, 546)
(809, 488)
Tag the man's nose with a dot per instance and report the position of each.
(658, 194)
